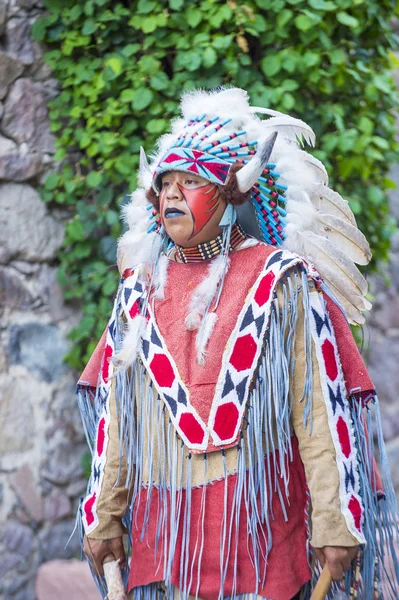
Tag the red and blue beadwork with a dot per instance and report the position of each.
(192, 161)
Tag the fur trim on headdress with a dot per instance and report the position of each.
(230, 192)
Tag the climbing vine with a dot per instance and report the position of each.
(122, 67)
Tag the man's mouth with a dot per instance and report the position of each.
(172, 213)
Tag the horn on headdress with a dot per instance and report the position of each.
(248, 175)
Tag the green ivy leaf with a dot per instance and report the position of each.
(209, 57)
(93, 179)
(116, 64)
(75, 230)
(52, 181)
(346, 19)
(322, 5)
(304, 22)
(176, 4)
(141, 98)
(193, 16)
(271, 64)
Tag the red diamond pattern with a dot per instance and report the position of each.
(243, 353)
(226, 420)
(162, 370)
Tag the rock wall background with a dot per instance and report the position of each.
(41, 441)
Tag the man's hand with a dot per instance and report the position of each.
(338, 559)
(97, 550)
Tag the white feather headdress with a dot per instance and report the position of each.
(291, 206)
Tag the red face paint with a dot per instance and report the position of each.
(202, 202)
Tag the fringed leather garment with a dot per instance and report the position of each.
(227, 474)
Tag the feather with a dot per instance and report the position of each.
(204, 292)
(161, 277)
(290, 128)
(204, 333)
(322, 252)
(348, 238)
(315, 165)
(130, 344)
(231, 103)
(353, 314)
(330, 202)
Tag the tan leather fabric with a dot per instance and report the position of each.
(317, 452)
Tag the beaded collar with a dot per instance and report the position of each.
(208, 250)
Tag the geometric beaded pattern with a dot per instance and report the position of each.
(339, 418)
(171, 388)
(127, 300)
(243, 349)
(89, 512)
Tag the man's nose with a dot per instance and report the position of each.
(173, 192)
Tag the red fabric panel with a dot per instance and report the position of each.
(89, 376)
(287, 557)
(355, 372)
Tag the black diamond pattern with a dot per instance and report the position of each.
(259, 323)
(146, 348)
(274, 258)
(154, 337)
(127, 292)
(181, 396)
(349, 478)
(336, 399)
(240, 389)
(228, 385)
(111, 329)
(248, 318)
(320, 322)
(172, 404)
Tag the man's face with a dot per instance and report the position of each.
(191, 208)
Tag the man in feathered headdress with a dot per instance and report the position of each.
(229, 427)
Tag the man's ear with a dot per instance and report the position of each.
(230, 191)
(152, 198)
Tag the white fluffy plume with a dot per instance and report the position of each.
(205, 291)
(136, 246)
(204, 333)
(130, 344)
(161, 277)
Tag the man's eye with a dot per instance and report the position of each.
(190, 181)
(165, 184)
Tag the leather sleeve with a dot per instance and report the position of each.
(328, 524)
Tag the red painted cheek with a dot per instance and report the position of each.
(203, 203)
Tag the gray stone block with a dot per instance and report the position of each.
(39, 348)
(18, 538)
(24, 485)
(17, 417)
(10, 69)
(27, 231)
(53, 539)
(20, 167)
(25, 116)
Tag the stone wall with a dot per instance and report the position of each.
(41, 441)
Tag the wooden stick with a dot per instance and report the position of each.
(113, 577)
(323, 585)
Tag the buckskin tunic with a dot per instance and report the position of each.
(229, 469)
